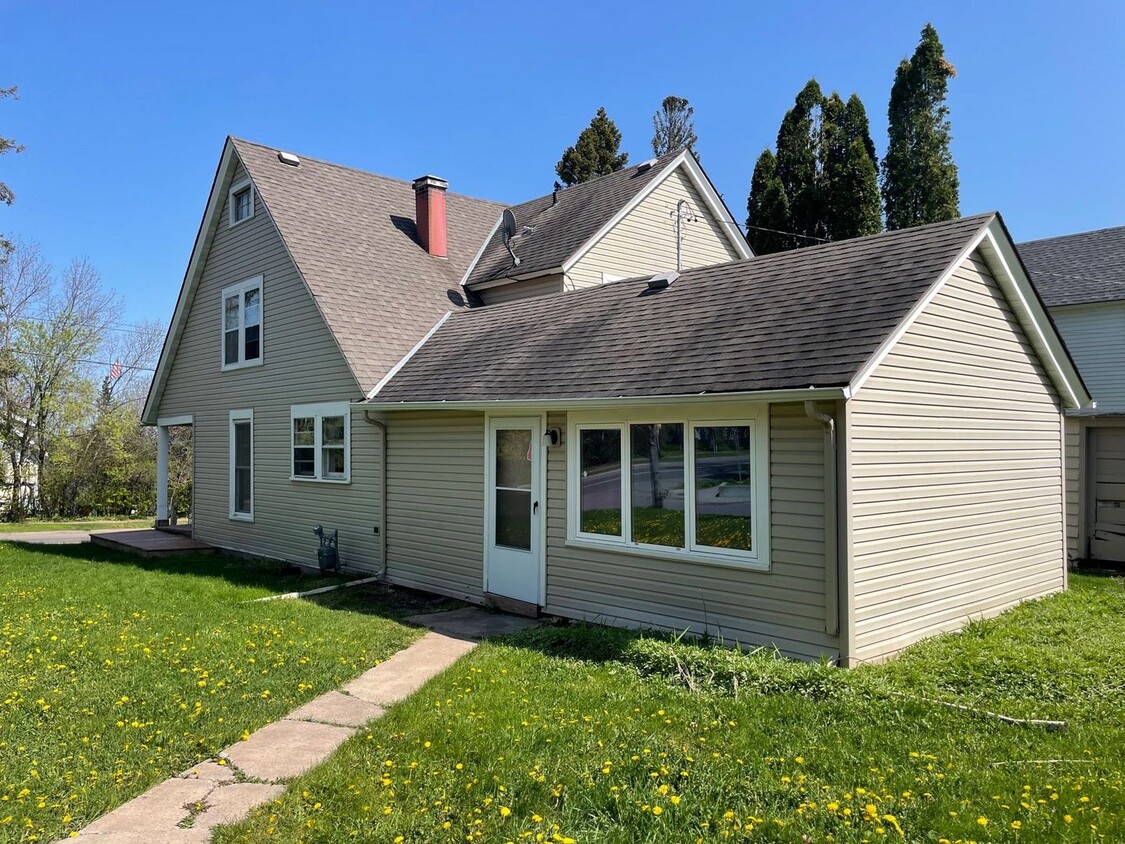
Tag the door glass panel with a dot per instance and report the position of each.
(657, 478)
(513, 459)
(600, 490)
(722, 487)
(513, 489)
(513, 518)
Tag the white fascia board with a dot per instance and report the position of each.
(194, 269)
(717, 206)
(483, 245)
(670, 168)
(405, 358)
(816, 393)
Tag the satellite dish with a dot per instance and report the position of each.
(508, 223)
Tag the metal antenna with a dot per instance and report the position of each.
(681, 218)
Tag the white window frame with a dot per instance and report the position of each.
(240, 416)
(754, 416)
(318, 412)
(240, 290)
(237, 188)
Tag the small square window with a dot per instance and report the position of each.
(320, 442)
(241, 202)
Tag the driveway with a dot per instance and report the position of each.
(55, 537)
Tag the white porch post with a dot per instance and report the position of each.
(161, 475)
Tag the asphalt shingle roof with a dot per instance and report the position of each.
(352, 236)
(562, 222)
(806, 318)
(1078, 268)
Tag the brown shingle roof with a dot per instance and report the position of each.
(807, 318)
(560, 228)
(352, 236)
(1078, 268)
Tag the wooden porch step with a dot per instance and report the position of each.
(150, 543)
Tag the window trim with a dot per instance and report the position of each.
(237, 188)
(240, 289)
(754, 416)
(318, 411)
(236, 416)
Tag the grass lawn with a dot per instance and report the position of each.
(117, 672)
(36, 525)
(591, 735)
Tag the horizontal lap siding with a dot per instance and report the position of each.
(521, 290)
(301, 365)
(956, 472)
(1073, 431)
(435, 495)
(783, 607)
(645, 240)
(1095, 337)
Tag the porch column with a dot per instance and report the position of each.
(161, 475)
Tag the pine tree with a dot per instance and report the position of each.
(673, 126)
(767, 220)
(7, 145)
(798, 142)
(594, 154)
(850, 189)
(920, 182)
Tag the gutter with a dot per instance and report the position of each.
(831, 521)
(382, 426)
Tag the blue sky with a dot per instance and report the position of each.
(125, 105)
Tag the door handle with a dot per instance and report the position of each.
(535, 508)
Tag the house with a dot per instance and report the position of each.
(1081, 278)
(600, 406)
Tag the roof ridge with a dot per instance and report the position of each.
(582, 186)
(1072, 234)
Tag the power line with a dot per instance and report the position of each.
(92, 362)
(113, 326)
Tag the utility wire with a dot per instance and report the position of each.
(113, 326)
(92, 362)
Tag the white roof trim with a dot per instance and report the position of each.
(1020, 294)
(619, 401)
(405, 358)
(199, 251)
(483, 246)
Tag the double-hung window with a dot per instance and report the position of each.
(241, 202)
(242, 465)
(321, 442)
(691, 486)
(242, 324)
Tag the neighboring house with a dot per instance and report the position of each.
(827, 450)
(1081, 277)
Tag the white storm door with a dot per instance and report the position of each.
(514, 510)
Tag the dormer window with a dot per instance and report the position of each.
(242, 324)
(241, 202)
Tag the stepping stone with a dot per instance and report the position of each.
(212, 772)
(336, 708)
(284, 749)
(157, 811)
(408, 670)
(233, 802)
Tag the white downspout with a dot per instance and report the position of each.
(382, 426)
(831, 520)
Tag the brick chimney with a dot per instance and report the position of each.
(429, 205)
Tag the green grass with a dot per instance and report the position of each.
(37, 525)
(116, 672)
(595, 735)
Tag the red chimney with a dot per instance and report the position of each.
(429, 205)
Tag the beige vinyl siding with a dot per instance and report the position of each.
(1073, 465)
(784, 606)
(956, 472)
(1095, 336)
(517, 290)
(644, 241)
(301, 364)
(435, 498)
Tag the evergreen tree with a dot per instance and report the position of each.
(798, 143)
(852, 205)
(920, 182)
(594, 154)
(7, 145)
(673, 126)
(767, 220)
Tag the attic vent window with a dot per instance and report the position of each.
(289, 158)
(241, 202)
(662, 280)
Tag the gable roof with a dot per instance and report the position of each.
(1076, 269)
(792, 321)
(561, 226)
(351, 235)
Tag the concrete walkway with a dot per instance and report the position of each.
(252, 772)
(56, 537)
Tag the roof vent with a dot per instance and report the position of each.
(289, 158)
(645, 165)
(662, 280)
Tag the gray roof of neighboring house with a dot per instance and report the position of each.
(352, 236)
(562, 222)
(1077, 269)
(807, 318)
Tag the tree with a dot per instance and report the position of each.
(852, 206)
(7, 145)
(673, 126)
(594, 154)
(920, 183)
(767, 220)
(798, 165)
